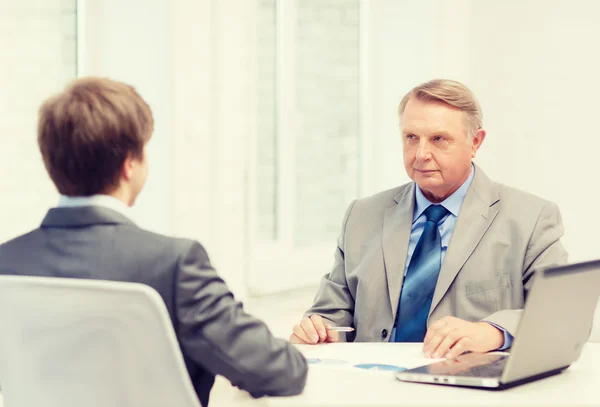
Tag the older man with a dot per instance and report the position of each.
(446, 259)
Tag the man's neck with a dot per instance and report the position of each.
(120, 194)
(436, 199)
(441, 198)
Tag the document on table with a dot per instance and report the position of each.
(340, 357)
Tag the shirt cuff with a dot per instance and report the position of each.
(508, 338)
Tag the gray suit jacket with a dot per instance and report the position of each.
(501, 236)
(215, 334)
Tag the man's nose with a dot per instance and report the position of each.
(423, 151)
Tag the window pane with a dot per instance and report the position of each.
(327, 138)
(266, 158)
(38, 53)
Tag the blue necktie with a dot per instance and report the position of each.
(420, 280)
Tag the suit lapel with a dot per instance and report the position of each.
(397, 224)
(474, 219)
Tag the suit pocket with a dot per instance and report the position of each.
(490, 295)
(477, 287)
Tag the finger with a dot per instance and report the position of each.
(460, 347)
(319, 325)
(309, 329)
(296, 340)
(299, 332)
(333, 336)
(449, 341)
(434, 328)
(436, 339)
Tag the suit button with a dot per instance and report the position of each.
(384, 333)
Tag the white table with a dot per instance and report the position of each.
(345, 385)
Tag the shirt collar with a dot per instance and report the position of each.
(453, 203)
(105, 201)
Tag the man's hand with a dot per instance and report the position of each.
(450, 337)
(312, 331)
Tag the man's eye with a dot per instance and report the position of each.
(438, 138)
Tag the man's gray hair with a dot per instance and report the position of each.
(452, 93)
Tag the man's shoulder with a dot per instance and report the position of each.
(130, 238)
(159, 239)
(159, 244)
(510, 196)
(516, 206)
(18, 241)
(373, 207)
(383, 199)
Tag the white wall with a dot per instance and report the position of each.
(533, 65)
(535, 70)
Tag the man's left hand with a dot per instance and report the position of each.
(450, 337)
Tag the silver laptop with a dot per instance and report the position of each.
(555, 324)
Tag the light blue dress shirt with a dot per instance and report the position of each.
(446, 226)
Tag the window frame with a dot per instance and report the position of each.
(279, 265)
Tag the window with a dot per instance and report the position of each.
(306, 160)
(39, 57)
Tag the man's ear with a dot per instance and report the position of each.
(127, 167)
(477, 141)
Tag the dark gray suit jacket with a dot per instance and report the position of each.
(215, 334)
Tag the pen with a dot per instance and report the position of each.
(340, 328)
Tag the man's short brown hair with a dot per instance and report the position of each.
(86, 132)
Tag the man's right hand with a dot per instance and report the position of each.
(313, 330)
